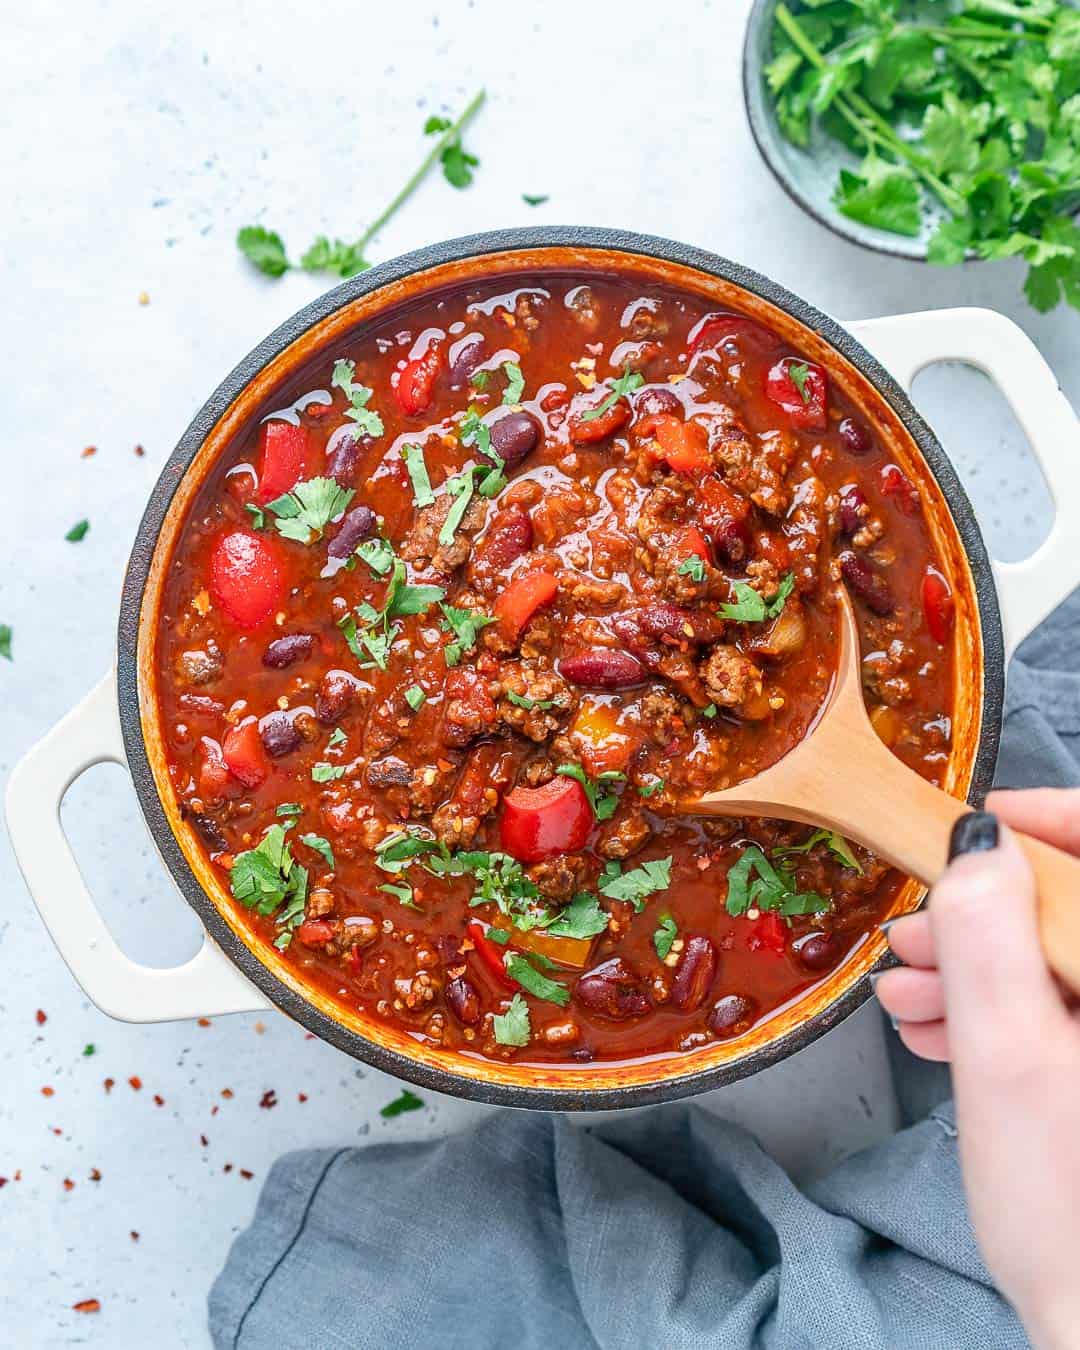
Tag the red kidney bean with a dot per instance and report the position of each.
(732, 1015)
(731, 540)
(866, 583)
(463, 1001)
(279, 733)
(337, 692)
(672, 623)
(856, 437)
(287, 650)
(509, 538)
(206, 827)
(355, 527)
(465, 355)
(602, 668)
(658, 402)
(694, 974)
(342, 455)
(613, 990)
(514, 436)
(818, 951)
(852, 503)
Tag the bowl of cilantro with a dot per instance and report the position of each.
(937, 130)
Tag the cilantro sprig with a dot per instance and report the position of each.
(973, 111)
(601, 797)
(466, 626)
(268, 880)
(265, 249)
(513, 1027)
(304, 513)
(754, 883)
(693, 567)
(750, 607)
(638, 884)
(627, 382)
(370, 632)
(836, 843)
(368, 422)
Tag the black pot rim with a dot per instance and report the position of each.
(569, 1098)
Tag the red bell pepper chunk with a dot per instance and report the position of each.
(284, 451)
(689, 542)
(685, 445)
(490, 953)
(246, 577)
(801, 396)
(316, 932)
(938, 606)
(539, 823)
(714, 328)
(768, 933)
(522, 598)
(214, 781)
(414, 383)
(244, 754)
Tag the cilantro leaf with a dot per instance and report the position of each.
(466, 625)
(258, 516)
(532, 200)
(693, 567)
(460, 487)
(883, 195)
(750, 607)
(627, 382)
(407, 1101)
(403, 892)
(78, 532)
(338, 256)
(263, 249)
(378, 553)
(415, 698)
(435, 124)
(268, 880)
(753, 883)
(397, 851)
(836, 842)
(513, 1027)
(637, 885)
(326, 773)
(650, 789)
(458, 165)
(533, 982)
(413, 455)
(321, 846)
(583, 917)
(799, 373)
(602, 800)
(289, 809)
(666, 933)
(5, 641)
(519, 701)
(368, 422)
(304, 513)
(515, 382)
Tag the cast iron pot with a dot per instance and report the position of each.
(234, 971)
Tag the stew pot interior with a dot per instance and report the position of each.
(318, 329)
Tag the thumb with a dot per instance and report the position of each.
(984, 916)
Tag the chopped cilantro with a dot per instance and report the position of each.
(513, 1027)
(305, 512)
(89, 1049)
(5, 641)
(266, 250)
(460, 487)
(413, 455)
(519, 701)
(289, 809)
(258, 517)
(368, 422)
(602, 800)
(693, 567)
(479, 378)
(836, 842)
(268, 880)
(799, 374)
(750, 607)
(465, 624)
(337, 737)
(415, 698)
(709, 710)
(378, 553)
(753, 883)
(627, 382)
(533, 982)
(321, 846)
(403, 892)
(530, 200)
(650, 789)
(637, 885)
(326, 773)
(583, 917)
(497, 935)
(374, 634)
(78, 532)
(408, 1101)
(666, 933)
(515, 382)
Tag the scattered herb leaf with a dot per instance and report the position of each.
(415, 698)
(321, 847)
(530, 200)
(513, 1027)
(638, 884)
(519, 701)
(465, 624)
(515, 382)
(305, 512)
(533, 982)
(602, 800)
(627, 382)
(754, 883)
(408, 1101)
(666, 933)
(326, 773)
(78, 532)
(750, 607)
(693, 567)
(413, 455)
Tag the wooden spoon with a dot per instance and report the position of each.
(841, 776)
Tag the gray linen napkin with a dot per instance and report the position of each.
(670, 1229)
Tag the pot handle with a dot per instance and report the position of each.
(207, 984)
(906, 343)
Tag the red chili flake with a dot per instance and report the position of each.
(158, 1100)
(87, 1305)
(48, 1092)
(227, 1167)
(56, 1130)
(227, 1093)
(3, 1182)
(110, 1083)
(301, 1096)
(95, 1174)
(136, 1082)
(246, 1174)
(260, 1027)
(40, 1018)
(215, 1109)
(204, 1022)
(88, 452)
(204, 1141)
(309, 1035)
(69, 1185)
(140, 451)
(134, 1235)
(18, 1175)
(268, 1099)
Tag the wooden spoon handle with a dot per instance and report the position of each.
(908, 821)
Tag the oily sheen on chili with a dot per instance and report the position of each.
(479, 598)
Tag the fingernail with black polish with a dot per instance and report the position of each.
(976, 832)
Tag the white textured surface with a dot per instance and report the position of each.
(135, 141)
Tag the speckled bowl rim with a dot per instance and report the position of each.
(580, 1097)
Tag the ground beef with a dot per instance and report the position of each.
(560, 878)
(661, 716)
(681, 670)
(537, 685)
(201, 665)
(624, 836)
(805, 530)
(421, 545)
(755, 466)
(470, 709)
(731, 678)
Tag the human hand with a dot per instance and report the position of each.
(976, 990)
